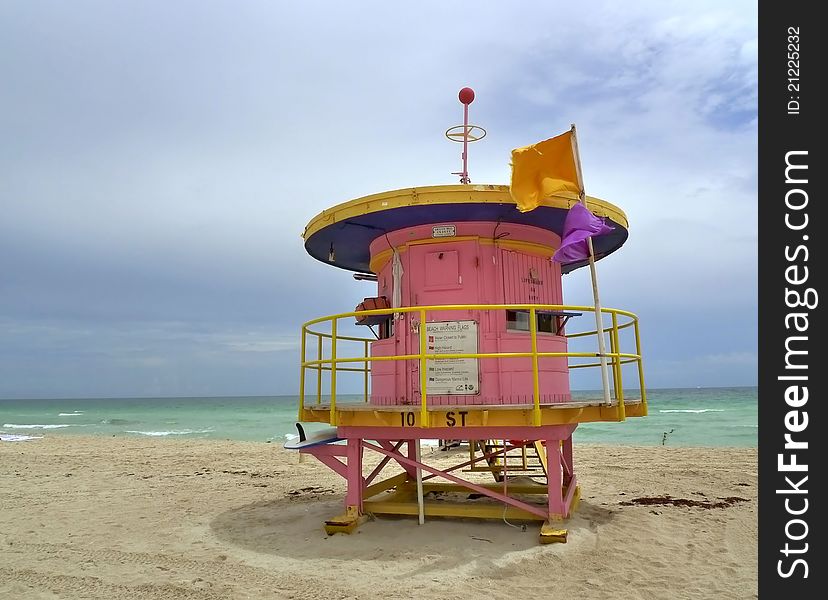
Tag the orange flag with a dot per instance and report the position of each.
(542, 170)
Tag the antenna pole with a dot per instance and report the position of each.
(464, 178)
(465, 133)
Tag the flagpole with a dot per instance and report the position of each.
(599, 319)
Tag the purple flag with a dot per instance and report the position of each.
(579, 226)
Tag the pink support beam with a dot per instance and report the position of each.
(570, 494)
(391, 448)
(467, 484)
(328, 455)
(327, 450)
(560, 474)
(383, 462)
(334, 463)
(568, 464)
(559, 432)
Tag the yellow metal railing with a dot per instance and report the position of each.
(616, 358)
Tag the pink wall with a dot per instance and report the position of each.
(484, 263)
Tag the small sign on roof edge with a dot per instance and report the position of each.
(439, 231)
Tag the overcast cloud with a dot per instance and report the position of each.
(159, 161)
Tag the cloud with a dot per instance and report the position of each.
(158, 163)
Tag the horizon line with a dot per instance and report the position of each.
(713, 387)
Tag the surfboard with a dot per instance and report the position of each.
(325, 436)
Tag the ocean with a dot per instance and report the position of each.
(677, 417)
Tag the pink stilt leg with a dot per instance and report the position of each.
(353, 497)
(557, 509)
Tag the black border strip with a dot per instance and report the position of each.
(791, 103)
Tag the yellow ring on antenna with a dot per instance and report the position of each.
(471, 133)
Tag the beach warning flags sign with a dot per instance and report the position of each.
(544, 169)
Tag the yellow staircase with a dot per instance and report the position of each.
(489, 455)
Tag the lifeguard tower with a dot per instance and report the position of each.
(468, 340)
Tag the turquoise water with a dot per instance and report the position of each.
(689, 417)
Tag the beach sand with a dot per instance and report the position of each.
(123, 518)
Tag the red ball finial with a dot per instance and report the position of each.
(466, 95)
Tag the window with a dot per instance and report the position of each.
(518, 320)
(548, 321)
(386, 329)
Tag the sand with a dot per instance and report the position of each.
(121, 518)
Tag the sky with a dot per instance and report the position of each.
(160, 160)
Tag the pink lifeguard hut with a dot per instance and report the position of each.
(469, 341)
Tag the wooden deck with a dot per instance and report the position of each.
(351, 414)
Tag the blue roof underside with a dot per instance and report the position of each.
(352, 237)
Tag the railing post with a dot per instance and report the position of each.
(333, 371)
(302, 375)
(423, 374)
(319, 368)
(533, 331)
(614, 350)
(366, 369)
(618, 381)
(640, 367)
(599, 331)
